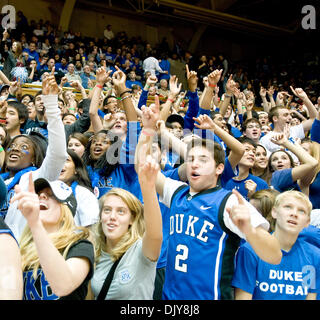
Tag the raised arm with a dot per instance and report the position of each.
(236, 148)
(56, 154)
(64, 276)
(119, 81)
(102, 76)
(213, 79)
(265, 245)
(307, 169)
(147, 173)
(173, 93)
(230, 86)
(307, 124)
(150, 117)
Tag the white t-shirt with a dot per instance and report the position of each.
(257, 219)
(87, 207)
(296, 132)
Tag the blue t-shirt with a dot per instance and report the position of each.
(240, 185)
(314, 192)
(124, 175)
(281, 180)
(292, 279)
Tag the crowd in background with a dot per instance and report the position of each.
(81, 134)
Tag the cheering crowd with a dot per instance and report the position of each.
(132, 172)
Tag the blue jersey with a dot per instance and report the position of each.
(201, 249)
(165, 211)
(292, 279)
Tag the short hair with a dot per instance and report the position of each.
(106, 100)
(68, 114)
(245, 124)
(21, 109)
(214, 148)
(295, 194)
(275, 112)
(244, 139)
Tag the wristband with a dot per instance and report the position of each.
(1, 149)
(228, 95)
(72, 108)
(147, 133)
(171, 100)
(126, 91)
(212, 85)
(99, 86)
(129, 96)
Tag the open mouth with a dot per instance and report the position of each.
(111, 226)
(14, 157)
(43, 206)
(292, 222)
(195, 175)
(97, 150)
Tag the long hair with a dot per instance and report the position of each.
(18, 53)
(67, 235)
(83, 139)
(264, 203)
(102, 163)
(314, 150)
(81, 176)
(270, 158)
(135, 231)
(266, 175)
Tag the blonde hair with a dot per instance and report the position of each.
(63, 239)
(265, 201)
(295, 194)
(135, 231)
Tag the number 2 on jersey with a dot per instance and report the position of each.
(179, 265)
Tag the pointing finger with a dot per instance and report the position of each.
(239, 196)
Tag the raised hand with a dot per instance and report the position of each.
(240, 214)
(281, 137)
(108, 121)
(214, 77)
(204, 122)
(148, 168)
(119, 79)
(192, 79)
(151, 114)
(28, 202)
(300, 93)
(102, 76)
(49, 84)
(263, 92)
(3, 108)
(174, 87)
(151, 80)
(230, 85)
